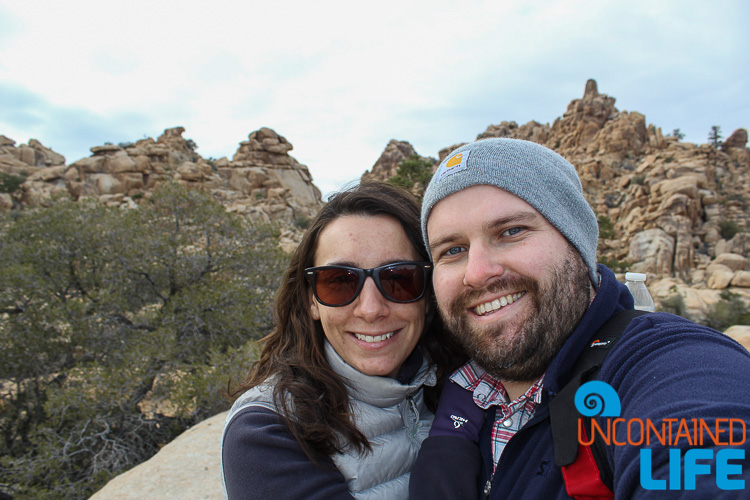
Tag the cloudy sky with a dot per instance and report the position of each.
(340, 79)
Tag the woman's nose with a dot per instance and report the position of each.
(371, 305)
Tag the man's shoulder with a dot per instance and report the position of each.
(666, 327)
(662, 341)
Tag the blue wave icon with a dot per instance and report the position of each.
(597, 398)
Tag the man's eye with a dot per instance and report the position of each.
(512, 231)
(453, 251)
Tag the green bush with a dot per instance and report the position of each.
(302, 222)
(674, 304)
(730, 310)
(10, 183)
(101, 308)
(413, 174)
(639, 179)
(728, 228)
(606, 227)
(618, 266)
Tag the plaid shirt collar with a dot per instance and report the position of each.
(510, 416)
(489, 391)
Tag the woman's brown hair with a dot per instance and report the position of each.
(311, 398)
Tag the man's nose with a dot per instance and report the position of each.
(370, 305)
(482, 266)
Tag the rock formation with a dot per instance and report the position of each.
(387, 165)
(674, 205)
(262, 180)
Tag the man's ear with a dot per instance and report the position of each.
(314, 312)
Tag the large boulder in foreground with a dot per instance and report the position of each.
(187, 468)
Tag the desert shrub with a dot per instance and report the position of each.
(10, 183)
(606, 227)
(302, 222)
(618, 266)
(730, 310)
(674, 304)
(728, 228)
(101, 308)
(639, 179)
(413, 174)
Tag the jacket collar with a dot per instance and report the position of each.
(378, 391)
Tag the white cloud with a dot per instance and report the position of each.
(339, 79)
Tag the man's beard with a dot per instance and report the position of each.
(520, 348)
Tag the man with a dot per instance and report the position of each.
(513, 243)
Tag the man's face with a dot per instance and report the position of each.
(508, 285)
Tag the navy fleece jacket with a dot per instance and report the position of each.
(663, 367)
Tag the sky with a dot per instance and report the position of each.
(340, 79)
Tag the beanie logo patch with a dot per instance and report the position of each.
(455, 163)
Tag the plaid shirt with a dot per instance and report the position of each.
(510, 416)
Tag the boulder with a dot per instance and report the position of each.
(740, 333)
(719, 276)
(741, 279)
(652, 251)
(187, 468)
(733, 261)
(738, 139)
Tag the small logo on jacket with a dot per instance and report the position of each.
(458, 421)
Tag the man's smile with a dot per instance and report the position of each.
(498, 303)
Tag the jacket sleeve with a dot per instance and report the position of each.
(672, 373)
(447, 468)
(262, 460)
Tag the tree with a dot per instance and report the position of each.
(413, 174)
(714, 136)
(103, 310)
(679, 135)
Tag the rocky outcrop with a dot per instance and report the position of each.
(738, 140)
(29, 163)
(676, 207)
(26, 158)
(278, 186)
(262, 181)
(387, 165)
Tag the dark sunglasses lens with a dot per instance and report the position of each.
(335, 286)
(403, 282)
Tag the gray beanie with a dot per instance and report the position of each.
(539, 176)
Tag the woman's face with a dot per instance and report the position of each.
(353, 330)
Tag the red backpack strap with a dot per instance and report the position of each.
(582, 479)
(585, 469)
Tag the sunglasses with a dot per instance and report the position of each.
(336, 286)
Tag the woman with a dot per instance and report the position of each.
(337, 405)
